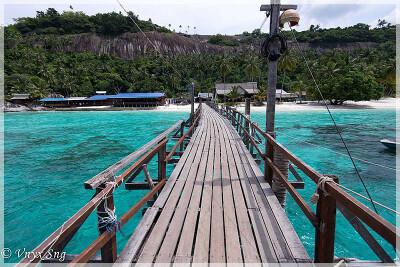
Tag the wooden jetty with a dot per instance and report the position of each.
(217, 206)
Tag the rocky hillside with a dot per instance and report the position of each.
(130, 45)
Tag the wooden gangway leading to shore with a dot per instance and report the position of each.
(217, 206)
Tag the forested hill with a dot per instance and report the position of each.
(75, 54)
(115, 34)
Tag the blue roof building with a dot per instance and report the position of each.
(118, 100)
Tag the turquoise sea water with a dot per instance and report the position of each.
(48, 156)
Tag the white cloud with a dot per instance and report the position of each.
(221, 17)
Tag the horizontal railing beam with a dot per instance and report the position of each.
(92, 249)
(109, 173)
(59, 235)
(381, 226)
(171, 153)
(296, 196)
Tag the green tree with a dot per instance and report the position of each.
(233, 93)
(252, 67)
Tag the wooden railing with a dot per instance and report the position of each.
(324, 220)
(105, 184)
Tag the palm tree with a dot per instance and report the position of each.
(388, 77)
(234, 93)
(180, 27)
(194, 30)
(300, 86)
(262, 93)
(225, 68)
(286, 63)
(365, 68)
(330, 70)
(188, 27)
(169, 26)
(252, 67)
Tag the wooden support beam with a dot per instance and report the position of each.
(64, 230)
(92, 249)
(325, 233)
(109, 250)
(182, 131)
(299, 183)
(283, 7)
(139, 185)
(296, 196)
(148, 177)
(173, 161)
(365, 234)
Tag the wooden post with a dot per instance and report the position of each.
(272, 79)
(247, 125)
(162, 165)
(237, 120)
(182, 131)
(325, 234)
(109, 250)
(278, 187)
(251, 144)
(192, 105)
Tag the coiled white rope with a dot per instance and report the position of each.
(320, 185)
(110, 219)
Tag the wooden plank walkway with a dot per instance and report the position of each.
(215, 207)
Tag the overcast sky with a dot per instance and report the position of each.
(219, 16)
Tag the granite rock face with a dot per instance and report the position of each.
(131, 45)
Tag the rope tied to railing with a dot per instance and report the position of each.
(320, 185)
(107, 219)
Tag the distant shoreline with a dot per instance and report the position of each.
(384, 103)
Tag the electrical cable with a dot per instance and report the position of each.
(154, 46)
(333, 120)
(339, 153)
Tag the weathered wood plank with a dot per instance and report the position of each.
(136, 240)
(190, 194)
(233, 250)
(297, 249)
(275, 236)
(217, 246)
(157, 235)
(184, 250)
(248, 244)
(266, 249)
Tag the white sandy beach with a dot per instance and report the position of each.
(384, 103)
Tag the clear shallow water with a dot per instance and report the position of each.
(48, 156)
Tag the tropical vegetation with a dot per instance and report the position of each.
(35, 64)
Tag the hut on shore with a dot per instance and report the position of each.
(248, 89)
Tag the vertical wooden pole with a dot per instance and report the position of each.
(237, 121)
(272, 79)
(162, 165)
(251, 144)
(182, 131)
(109, 250)
(325, 234)
(247, 125)
(192, 105)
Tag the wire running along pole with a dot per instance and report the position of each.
(333, 120)
(336, 152)
(154, 46)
